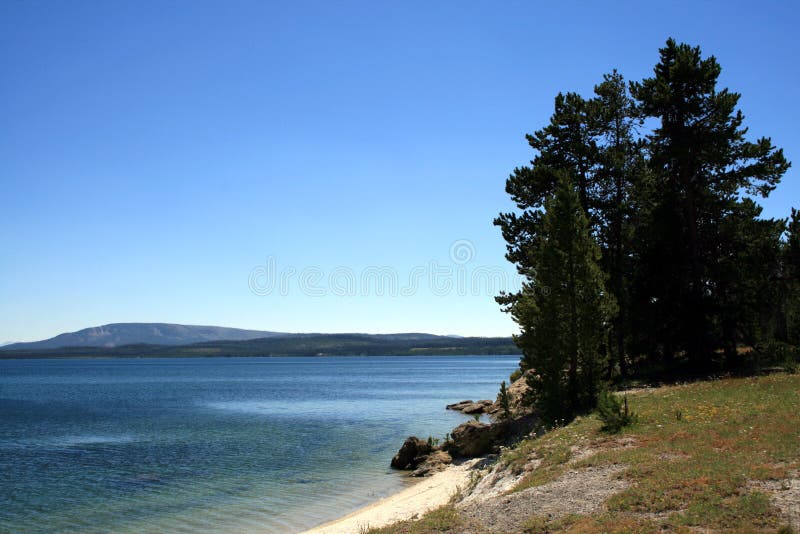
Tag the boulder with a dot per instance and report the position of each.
(519, 388)
(494, 410)
(472, 439)
(477, 407)
(517, 392)
(470, 407)
(411, 454)
(458, 406)
(435, 461)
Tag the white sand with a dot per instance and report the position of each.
(415, 500)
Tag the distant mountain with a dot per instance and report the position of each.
(289, 345)
(119, 334)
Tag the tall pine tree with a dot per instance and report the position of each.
(620, 174)
(563, 310)
(594, 142)
(702, 164)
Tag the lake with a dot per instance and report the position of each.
(217, 444)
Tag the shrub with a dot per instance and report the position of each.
(614, 412)
(505, 401)
(790, 365)
(777, 353)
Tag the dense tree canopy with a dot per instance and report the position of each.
(667, 183)
(701, 164)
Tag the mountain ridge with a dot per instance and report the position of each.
(119, 334)
(129, 340)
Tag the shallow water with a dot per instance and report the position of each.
(212, 444)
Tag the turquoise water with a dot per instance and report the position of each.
(210, 445)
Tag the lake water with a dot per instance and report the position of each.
(217, 444)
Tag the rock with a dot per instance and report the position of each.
(517, 392)
(436, 461)
(477, 407)
(470, 407)
(494, 409)
(472, 439)
(411, 454)
(459, 405)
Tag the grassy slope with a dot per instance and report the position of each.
(696, 459)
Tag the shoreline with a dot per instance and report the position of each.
(411, 502)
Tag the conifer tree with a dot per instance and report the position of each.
(746, 267)
(791, 270)
(505, 402)
(620, 173)
(563, 309)
(682, 245)
(701, 163)
(594, 143)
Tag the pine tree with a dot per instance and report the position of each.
(791, 271)
(563, 309)
(505, 402)
(701, 163)
(620, 173)
(684, 251)
(567, 145)
(745, 269)
(594, 143)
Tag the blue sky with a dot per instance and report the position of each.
(174, 161)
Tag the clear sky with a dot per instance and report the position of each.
(311, 166)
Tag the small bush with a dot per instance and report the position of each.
(790, 360)
(505, 401)
(443, 519)
(515, 375)
(778, 353)
(537, 524)
(614, 412)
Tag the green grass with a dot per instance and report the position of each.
(586, 524)
(443, 519)
(693, 460)
(697, 469)
(553, 462)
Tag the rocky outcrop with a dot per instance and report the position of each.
(420, 456)
(476, 407)
(435, 461)
(473, 438)
(413, 453)
(517, 392)
(458, 405)
(469, 407)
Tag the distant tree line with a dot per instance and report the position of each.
(640, 238)
(291, 345)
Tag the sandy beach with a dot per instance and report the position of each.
(413, 501)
